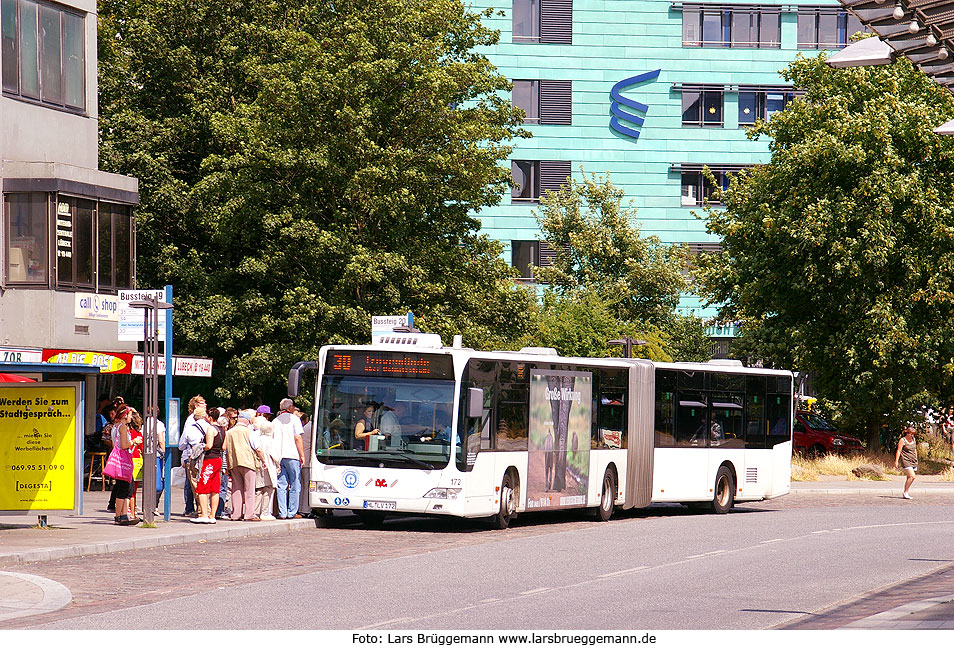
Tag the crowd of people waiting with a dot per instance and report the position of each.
(235, 464)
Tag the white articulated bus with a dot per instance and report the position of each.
(413, 427)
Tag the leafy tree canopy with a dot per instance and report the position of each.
(306, 164)
(608, 281)
(837, 255)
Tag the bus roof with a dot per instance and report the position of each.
(545, 355)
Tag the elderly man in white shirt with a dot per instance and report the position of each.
(288, 435)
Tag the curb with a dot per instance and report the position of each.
(161, 540)
(870, 491)
(55, 596)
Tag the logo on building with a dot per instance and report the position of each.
(628, 115)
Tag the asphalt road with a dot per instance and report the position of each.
(765, 565)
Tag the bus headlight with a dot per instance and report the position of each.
(321, 486)
(443, 493)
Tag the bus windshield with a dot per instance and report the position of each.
(394, 422)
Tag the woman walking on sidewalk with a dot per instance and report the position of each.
(907, 458)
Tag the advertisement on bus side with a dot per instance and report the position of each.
(561, 413)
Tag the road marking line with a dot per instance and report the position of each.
(535, 590)
(623, 572)
(707, 554)
(392, 621)
(772, 541)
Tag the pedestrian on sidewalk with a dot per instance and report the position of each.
(241, 462)
(907, 459)
(288, 435)
(190, 436)
(122, 488)
(270, 456)
(210, 478)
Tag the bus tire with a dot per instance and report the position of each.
(508, 503)
(607, 498)
(723, 496)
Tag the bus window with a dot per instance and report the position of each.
(665, 408)
(779, 412)
(692, 421)
(691, 380)
(755, 412)
(726, 422)
(513, 396)
(725, 382)
(611, 410)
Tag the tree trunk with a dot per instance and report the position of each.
(874, 433)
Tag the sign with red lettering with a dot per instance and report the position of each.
(108, 362)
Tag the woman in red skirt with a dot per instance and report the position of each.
(209, 483)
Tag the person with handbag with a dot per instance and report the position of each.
(136, 436)
(119, 466)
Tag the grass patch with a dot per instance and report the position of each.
(808, 469)
(932, 461)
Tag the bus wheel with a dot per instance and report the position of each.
(508, 504)
(607, 504)
(724, 496)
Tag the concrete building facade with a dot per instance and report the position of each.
(67, 241)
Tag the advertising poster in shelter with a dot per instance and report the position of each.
(38, 445)
(561, 414)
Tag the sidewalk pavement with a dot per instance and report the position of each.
(893, 485)
(93, 533)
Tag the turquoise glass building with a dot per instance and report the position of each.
(648, 91)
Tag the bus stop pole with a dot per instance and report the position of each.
(167, 464)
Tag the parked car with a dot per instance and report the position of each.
(815, 436)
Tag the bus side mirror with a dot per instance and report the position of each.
(294, 376)
(475, 402)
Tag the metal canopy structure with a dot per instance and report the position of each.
(921, 30)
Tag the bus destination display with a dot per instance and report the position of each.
(397, 364)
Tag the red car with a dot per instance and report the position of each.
(815, 436)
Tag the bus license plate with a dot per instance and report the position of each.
(380, 504)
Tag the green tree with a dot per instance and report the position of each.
(837, 254)
(304, 165)
(610, 281)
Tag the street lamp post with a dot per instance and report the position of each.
(150, 307)
(627, 343)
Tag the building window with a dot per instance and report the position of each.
(702, 107)
(525, 255)
(26, 220)
(526, 96)
(543, 21)
(826, 28)
(90, 243)
(533, 177)
(43, 51)
(545, 101)
(761, 104)
(696, 188)
(705, 25)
